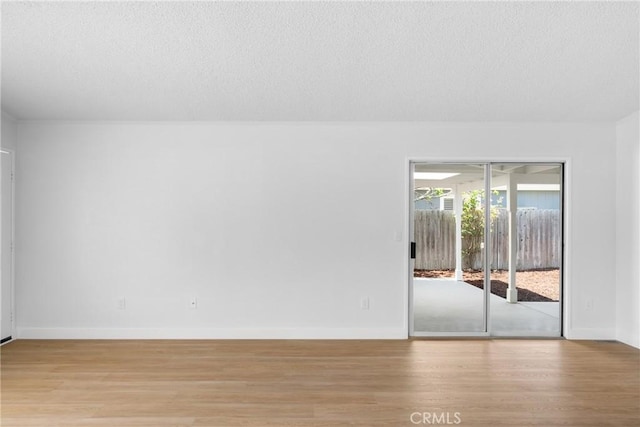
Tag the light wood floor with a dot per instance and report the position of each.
(320, 383)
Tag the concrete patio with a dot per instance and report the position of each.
(448, 305)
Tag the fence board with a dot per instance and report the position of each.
(435, 233)
(539, 232)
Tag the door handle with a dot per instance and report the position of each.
(413, 250)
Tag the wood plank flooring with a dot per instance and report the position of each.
(320, 383)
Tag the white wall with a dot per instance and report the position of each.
(264, 224)
(9, 131)
(627, 230)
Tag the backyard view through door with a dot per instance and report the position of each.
(519, 208)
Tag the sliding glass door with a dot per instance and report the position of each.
(526, 231)
(449, 240)
(487, 249)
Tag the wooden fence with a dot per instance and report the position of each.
(539, 232)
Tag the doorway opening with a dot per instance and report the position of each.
(488, 249)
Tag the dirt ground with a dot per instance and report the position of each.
(536, 285)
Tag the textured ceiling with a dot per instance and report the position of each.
(436, 61)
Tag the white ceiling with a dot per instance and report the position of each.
(431, 61)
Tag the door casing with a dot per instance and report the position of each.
(12, 318)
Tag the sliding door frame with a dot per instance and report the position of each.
(565, 267)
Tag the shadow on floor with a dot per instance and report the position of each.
(499, 288)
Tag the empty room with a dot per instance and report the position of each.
(320, 213)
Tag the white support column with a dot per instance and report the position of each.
(512, 208)
(457, 206)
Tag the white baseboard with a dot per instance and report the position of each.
(629, 338)
(206, 333)
(591, 334)
(251, 333)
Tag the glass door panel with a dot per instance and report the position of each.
(526, 254)
(448, 292)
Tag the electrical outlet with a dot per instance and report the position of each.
(122, 303)
(193, 303)
(365, 303)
